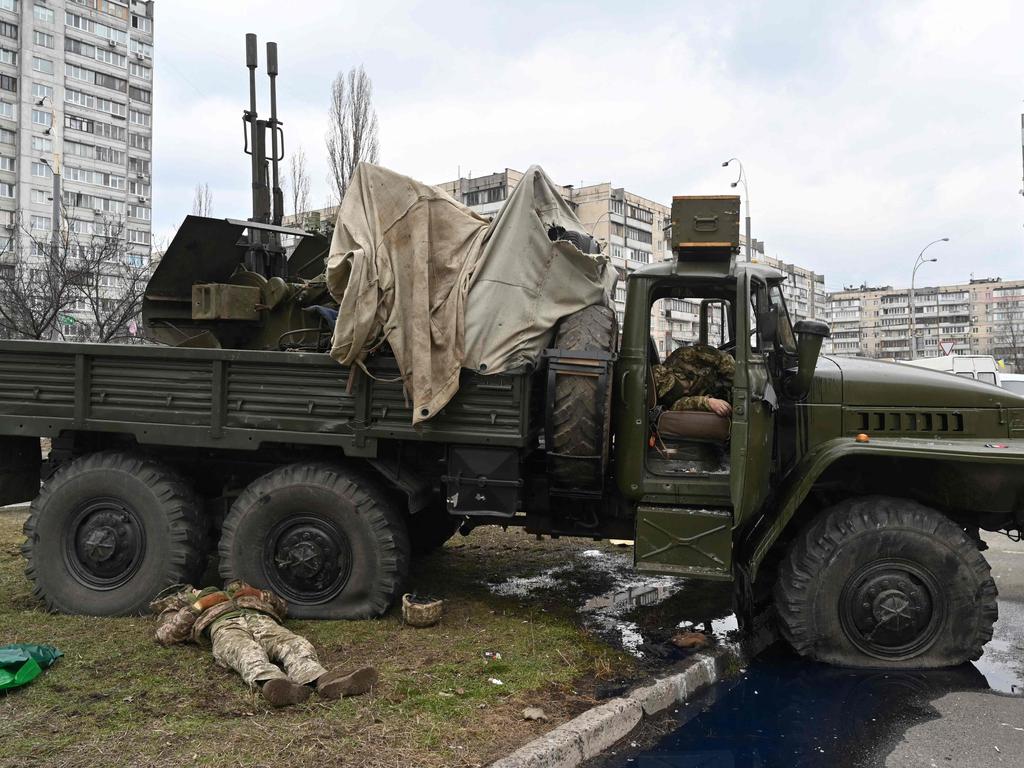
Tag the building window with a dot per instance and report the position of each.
(139, 212)
(139, 118)
(139, 141)
(139, 94)
(6, 190)
(140, 48)
(138, 165)
(111, 8)
(39, 64)
(139, 70)
(39, 196)
(42, 38)
(142, 24)
(78, 73)
(8, 83)
(6, 136)
(138, 236)
(9, 30)
(8, 57)
(39, 117)
(6, 163)
(8, 110)
(41, 170)
(8, 5)
(111, 82)
(42, 13)
(40, 91)
(41, 222)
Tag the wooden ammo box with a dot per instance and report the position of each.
(706, 222)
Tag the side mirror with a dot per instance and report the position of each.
(809, 335)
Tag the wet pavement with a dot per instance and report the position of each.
(783, 711)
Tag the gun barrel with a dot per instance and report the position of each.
(275, 127)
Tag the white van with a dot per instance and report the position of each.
(980, 367)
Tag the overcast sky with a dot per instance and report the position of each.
(867, 129)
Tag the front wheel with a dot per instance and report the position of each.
(323, 538)
(884, 582)
(109, 531)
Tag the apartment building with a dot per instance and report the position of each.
(984, 316)
(76, 123)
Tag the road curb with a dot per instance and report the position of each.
(589, 734)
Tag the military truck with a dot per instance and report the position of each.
(843, 498)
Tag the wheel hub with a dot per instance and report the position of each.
(888, 609)
(310, 559)
(105, 544)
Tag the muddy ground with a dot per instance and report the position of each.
(571, 621)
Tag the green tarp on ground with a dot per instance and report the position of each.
(21, 663)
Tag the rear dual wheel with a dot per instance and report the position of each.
(885, 582)
(325, 538)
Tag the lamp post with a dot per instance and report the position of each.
(55, 172)
(742, 179)
(920, 260)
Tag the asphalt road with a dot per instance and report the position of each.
(783, 711)
(981, 729)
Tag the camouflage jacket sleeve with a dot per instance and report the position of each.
(174, 625)
(692, 403)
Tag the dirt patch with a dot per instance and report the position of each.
(118, 699)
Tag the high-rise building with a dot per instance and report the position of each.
(980, 317)
(76, 120)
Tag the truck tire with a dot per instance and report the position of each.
(577, 426)
(324, 538)
(884, 582)
(109, 531)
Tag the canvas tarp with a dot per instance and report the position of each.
(445, 288)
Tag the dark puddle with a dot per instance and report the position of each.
(631, 611)
(785, 712)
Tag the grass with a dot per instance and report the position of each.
(119, 699)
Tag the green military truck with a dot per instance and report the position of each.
(843, 498)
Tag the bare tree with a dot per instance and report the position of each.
(297, 182)
(82, 281)
(111, 281)
(202, 200)
(352, 132)
(36, 290)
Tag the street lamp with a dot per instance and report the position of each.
(55, 172)
(920, 260)
(742, 179)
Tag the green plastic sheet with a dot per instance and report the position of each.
(22, 663)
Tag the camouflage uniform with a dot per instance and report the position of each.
(243, 624)
(691, 375)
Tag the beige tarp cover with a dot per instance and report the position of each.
(445, 288)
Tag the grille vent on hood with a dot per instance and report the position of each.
(907, 422)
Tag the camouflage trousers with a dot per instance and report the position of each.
(252, 642)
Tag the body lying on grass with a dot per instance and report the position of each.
(243, 624)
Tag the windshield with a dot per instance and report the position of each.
(785, 330)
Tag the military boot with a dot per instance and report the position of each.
(281, 692)
(334, 685)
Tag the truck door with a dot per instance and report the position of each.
(754, 404)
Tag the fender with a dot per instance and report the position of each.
(804, 475)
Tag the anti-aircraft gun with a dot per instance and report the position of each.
(229, 283)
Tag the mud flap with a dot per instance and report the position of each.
(684, 542)
(20, 461)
